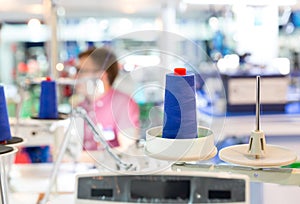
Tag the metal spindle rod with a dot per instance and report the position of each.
(257, 103)
(3, 183)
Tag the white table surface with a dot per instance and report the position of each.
(28, 181)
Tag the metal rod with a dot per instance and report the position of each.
(257, 103)
(62, 150)
(51, 18)
(3, 183)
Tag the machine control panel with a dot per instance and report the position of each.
(162, 188)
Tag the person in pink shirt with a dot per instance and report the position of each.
(114, 112)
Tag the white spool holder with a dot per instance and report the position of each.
(257, 153)
(201, 148)
(274, 156)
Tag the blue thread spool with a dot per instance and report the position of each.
(4, 124)
(48, 100)
(180, 106)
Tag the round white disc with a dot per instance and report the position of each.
(275, 156)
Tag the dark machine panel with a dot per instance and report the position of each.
(161, 189)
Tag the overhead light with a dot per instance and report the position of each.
(213, 23)
(282, 64)
(228, 63)
(34, 23)
(129, 67)
(60, 67)
(245, 2)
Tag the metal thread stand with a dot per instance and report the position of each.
(3, 182)
(257, 142)
(3, 176)
(80, 112)
(256, 147)
(258, 103)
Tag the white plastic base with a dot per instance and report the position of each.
(274, 156)
(257, 143)
(201, 148)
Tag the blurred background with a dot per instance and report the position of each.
(229, 35)
(225, 42)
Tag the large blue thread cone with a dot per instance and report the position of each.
(48, 100)
(180, 107)
(4, 124)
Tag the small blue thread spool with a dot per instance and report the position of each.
(180, 106)
(4, 124)
(48, 100)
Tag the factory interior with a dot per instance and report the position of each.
(149, 101)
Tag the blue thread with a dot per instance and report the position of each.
(4, 124)
(180, 107)
(48, 100)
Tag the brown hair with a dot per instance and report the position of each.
(105, 60)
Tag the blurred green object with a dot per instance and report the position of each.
(30, 105)
(150, 115)
(11, 108)
(144, 111)
(295, 165)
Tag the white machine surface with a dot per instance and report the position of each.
(22, 175)
(165, 187)
(36, 132)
